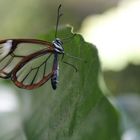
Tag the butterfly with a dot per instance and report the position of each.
(30, 70)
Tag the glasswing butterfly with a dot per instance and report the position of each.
(30, 70)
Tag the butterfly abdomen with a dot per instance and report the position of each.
(54, 80)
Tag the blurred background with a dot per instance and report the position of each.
(113, 26)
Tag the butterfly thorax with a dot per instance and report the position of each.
(58, 46)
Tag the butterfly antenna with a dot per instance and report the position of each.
(58, 18)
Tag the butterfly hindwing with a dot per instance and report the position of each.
(34, 70)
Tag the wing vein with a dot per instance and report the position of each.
(26, 76)
(9, 61)
(3, 58)
(35, 76)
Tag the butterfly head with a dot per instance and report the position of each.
(58, 45)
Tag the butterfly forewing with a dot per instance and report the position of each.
(12, 51)
(25, 49)
(7, 64)
(34, 70)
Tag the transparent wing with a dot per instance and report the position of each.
(7, 64)
(34, 70)
(12, 51)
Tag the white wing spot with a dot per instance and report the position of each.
(8, 45)
(6, 48)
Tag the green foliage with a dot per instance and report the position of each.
(77, 109)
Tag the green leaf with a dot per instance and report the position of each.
(77, 109)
